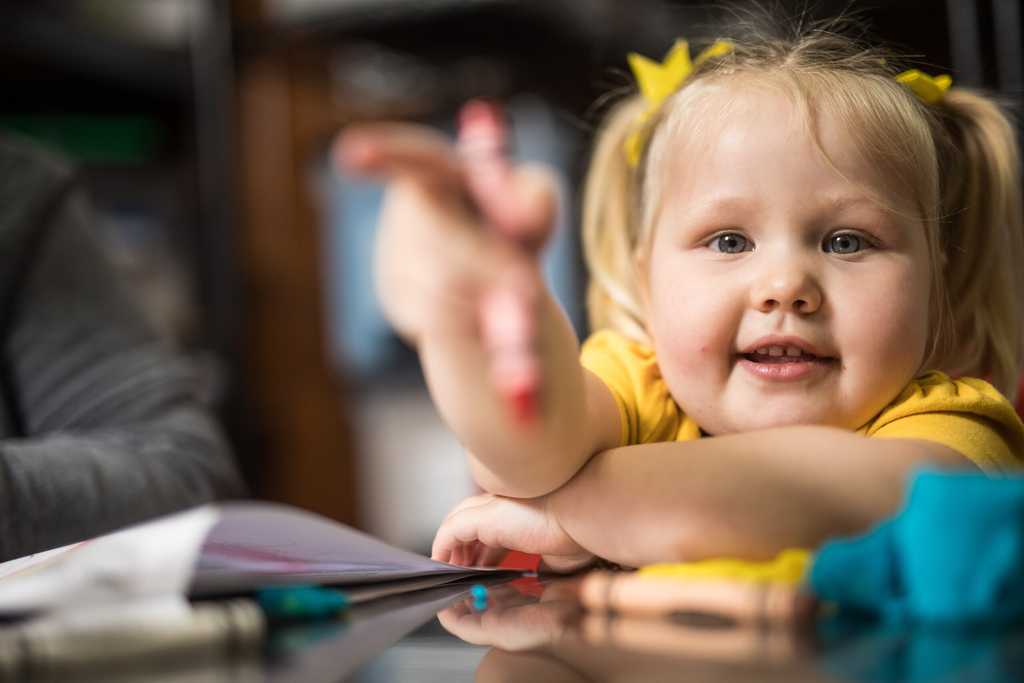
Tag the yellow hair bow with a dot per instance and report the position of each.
(659, 80)
(929, 89)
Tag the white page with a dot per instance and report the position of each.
(152, 559)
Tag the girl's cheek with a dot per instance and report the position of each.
(891, 330)
(694, 340)
(690, 317)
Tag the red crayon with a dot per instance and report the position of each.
(506, 316)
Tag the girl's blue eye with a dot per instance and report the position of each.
(729, 243)
(843, 243)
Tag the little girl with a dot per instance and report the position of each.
(801, 265)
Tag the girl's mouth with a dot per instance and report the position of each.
(800, 357)
(789, 365)
(785, 368)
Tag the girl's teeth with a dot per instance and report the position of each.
(784, 353)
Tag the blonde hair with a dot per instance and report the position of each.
(957, 160)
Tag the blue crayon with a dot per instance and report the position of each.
(479, 594)
(301, 602)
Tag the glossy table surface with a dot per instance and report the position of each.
(532, 630)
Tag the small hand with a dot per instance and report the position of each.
(437, 259)
(481, 529)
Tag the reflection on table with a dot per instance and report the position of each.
(536, 630)
(539, 632)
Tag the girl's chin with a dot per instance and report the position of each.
(768, 417)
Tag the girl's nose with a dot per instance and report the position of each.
(792, 291)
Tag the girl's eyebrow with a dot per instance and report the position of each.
(843, 202)
(740, 200)
(738, 204)
(723, 204)
(883, 215)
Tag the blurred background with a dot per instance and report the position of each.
(202, 129)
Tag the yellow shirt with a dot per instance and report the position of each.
(968, 415)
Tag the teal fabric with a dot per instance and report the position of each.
(953, 555)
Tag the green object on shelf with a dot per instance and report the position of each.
(128, 140)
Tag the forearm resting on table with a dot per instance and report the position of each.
(744, 495)
(507, 456)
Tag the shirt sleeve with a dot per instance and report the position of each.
(630, 371)
(968, 415)
(115, 431)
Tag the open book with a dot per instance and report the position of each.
(260, 544)
(220, 549)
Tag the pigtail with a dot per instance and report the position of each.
(983, 241)
(611, 228)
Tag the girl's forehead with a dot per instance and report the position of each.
(729, 135)
(740, 121)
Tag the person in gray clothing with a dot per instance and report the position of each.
(101, 424)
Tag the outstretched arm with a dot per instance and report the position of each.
(438, 263)
(506, 456)
(112, 427)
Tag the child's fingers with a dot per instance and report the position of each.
(387, 150)
(446, 548)
(475, 554)
(455, 551)
(520, 201)
(459, 554)
(460, 527)
(430, 275)
(524, 207)
(452, 551)
(472, 553)
(520, 204)
(465, 554)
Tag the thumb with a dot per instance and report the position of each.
(521, 206)
(519, 201)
